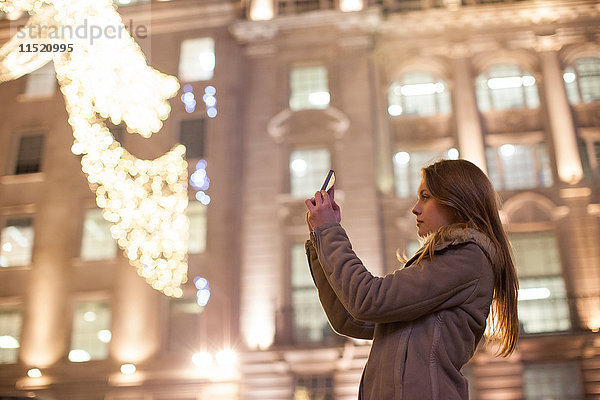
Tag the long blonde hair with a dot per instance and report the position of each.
(467, 191)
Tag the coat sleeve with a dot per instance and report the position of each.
(407, 294)
(340, 320)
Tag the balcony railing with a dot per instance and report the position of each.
(419, 5)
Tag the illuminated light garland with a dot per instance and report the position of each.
(144, 200)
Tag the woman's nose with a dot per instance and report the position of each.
(416, 209)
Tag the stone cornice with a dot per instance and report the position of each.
(488, 18)
(366, 21)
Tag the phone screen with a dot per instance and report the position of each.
(329, 181)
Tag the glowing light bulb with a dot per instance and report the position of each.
(299, 165)
(104, 335)
(78, 355)
(226, 357)
(34, 373)
(203, 359)
(569, 77)
(89, 316)
(8, 342)
(128, 369)
(507, 150)
(402, 158)
(395, 110)
(453, 154)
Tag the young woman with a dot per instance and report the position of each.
(427, 318)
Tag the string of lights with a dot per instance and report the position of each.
(144, 200)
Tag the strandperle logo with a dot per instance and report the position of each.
(83, 31)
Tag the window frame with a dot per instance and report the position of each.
(288, 309)
(577, 85)
(301, 65)
(181, 72)
(20, 215)
(24, 96)
(591, 136)
(485, 73)
(327, 376)
(293, 6)
(437, 97)
(532, 139)
(302, 147)
(17, 307)
(204, 249)
(13, 157)
(89, 297)
(558, 363)
(85, 212)
(205, 137)
(169, 345)
(441, 145)
(542, 227)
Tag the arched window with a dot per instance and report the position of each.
(418, 93)
(582, 80)
(505, 87)
(407, 168)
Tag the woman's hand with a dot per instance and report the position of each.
(322, 210)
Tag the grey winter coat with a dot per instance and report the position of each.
(425, 319)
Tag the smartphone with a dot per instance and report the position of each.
(329, 181)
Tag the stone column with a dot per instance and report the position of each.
(384, 146)
(135, 322)
(261, 242)
(356, 153)
(47, 317)
(468, 124)
(568, 161)
(45, 325)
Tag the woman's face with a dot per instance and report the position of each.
(430, 214)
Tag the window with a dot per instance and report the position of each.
(10, 335)
(505, 87)
(589, 151)
(97, 242)
(553, 381)
(29, 154)
(41, 82)
(129, 2)
(300, 6)
(183, 325)
(309, 320)
(309, 88)
(542, 303)
(192, 136)
(91, 331)
(514, 166)
(407, 168)
(196, 213)
(308, 169)
(16, 240)
(418, 93)
(313, 387)
(197, 59)
(582, 80)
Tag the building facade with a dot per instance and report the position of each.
(290, 89)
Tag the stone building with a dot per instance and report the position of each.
(374, 89)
